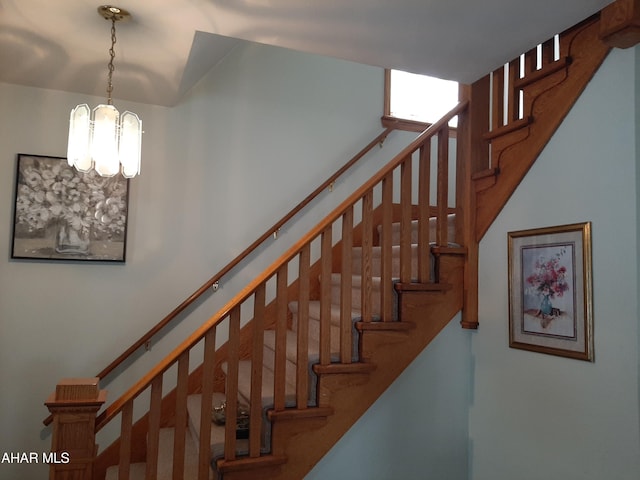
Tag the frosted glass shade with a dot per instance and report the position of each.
(78, 154)
(104, 140)
(130, 144)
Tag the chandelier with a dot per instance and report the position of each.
(104, 139)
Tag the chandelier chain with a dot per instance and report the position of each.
(112, 54)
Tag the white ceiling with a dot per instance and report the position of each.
(167, 46)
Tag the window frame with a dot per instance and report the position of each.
(389, 121)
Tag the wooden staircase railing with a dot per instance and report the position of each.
(216, 278)
(236, 333)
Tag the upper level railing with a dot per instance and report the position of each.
(302, 274)
(511, 107)
(529, 98)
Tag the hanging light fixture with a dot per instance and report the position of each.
(104, 139)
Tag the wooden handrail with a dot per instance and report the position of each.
(116, 407)
(244, 254)
(144, 339)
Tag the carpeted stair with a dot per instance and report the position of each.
(137, 471)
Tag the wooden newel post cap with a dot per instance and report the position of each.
(73, 407)
(76, 391)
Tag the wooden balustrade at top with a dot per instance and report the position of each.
(529, 98)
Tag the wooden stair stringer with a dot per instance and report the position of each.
(349, 398)
(551, 99)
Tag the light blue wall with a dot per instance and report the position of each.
(61, 319)
(418, 428)
(536, 416)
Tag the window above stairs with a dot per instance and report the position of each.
(415, 101)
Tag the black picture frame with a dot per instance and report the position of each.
(62, 214)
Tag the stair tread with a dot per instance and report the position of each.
(422, 287)
(337, 368)
(314, 311)
(298, 413)
(356, 280)
(292, 346)
(396, 226)
(248, 463)
(137, 471)
(385, 326)
(376, 260)
(194, 403)
(244, 384)
(377, 249)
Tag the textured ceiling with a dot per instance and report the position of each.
(167, 46)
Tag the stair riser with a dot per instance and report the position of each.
(356, 297)
(376, 261)
(269, 361)
(314, 332)
(395, 230)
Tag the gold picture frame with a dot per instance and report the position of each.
(550, 291)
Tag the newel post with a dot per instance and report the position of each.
(74, 406)
(473, 157)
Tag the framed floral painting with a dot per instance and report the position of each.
(63, 214)
(550, 297)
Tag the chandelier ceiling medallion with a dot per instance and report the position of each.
(104, 139)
